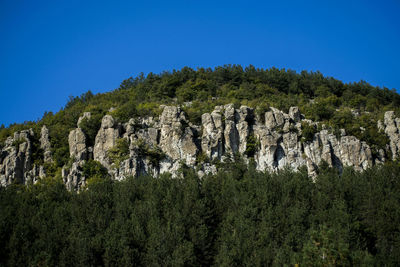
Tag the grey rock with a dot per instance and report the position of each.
(107, 122)
(279, 116)
(222, 132)
(270, 120)
(207, 169)
(355, 153)
(176, 137)
(212, 137)
(45, 144)
(16, 159)
(231, 134)
(392, 130)
(77, 144)
(106, 139)
(229, 112)
(86, 115)
(244, 132)
(129, 128)
(73, 177)
(380, 126)
(265, 156)
(294, 114)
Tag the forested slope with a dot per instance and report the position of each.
(241, 143)
(235, 218)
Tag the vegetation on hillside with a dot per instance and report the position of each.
(319, 98)
(234, 218)
(239, 217)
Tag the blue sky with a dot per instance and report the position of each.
(50, 50)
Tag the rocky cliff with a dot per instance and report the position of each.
(154, 146)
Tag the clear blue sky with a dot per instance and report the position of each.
(50, 50)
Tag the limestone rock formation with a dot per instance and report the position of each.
(224, 131)
(347, 151)
(231, 133)
(392, 129)
(45, 143)
(213, 134)
(16, 163)
(73, 177)
(268, 145)
(77, 144)
(176, 137)
(105, 140)
(85, 115)
(156, 145)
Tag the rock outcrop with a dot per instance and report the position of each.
(77, 144)
(105, 140)
(392, 129)
(345, 151)
(213, 134)
(16, 163)
(45, 144)
(160, 145)
(73, 176)
(85, 115)
(79, 153)
(176, 137)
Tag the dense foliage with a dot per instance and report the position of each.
(239, 217)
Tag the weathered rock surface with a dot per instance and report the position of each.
(105, 140)
(392, 129)
(45, 143)
(16, 163)
(226, 131)
(213, 134)
(163, 144)
(85, 115)
(176, 137)
(73, 177)
(77, 144)
(268, 145)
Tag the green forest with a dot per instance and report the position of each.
(239, 217)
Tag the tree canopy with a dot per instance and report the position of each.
(238, 217)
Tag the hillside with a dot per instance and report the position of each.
(222, 167)
(153, 124)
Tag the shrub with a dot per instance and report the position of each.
(148, 109)
(126, 111)
(307, 132)
(202, 158)
(94, 169)
(153, 153)
(252, 145)
(17, 143)
(119, 152)
(91, 127)
(321, 111)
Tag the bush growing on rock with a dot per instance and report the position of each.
(119, 152)
(94, 171)
(307, 132)
(153, 153)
